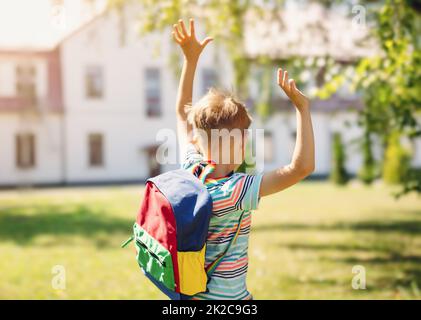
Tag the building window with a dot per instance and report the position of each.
(96, 150)
(94, 80)
(269, 147)
(26, 82)
(209, 79)
(153, 92)
(25, 151)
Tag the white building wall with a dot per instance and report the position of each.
(322, 139)
(48, 161)
(46, 127)
(7, 77)
(283, 128)
(280, 127)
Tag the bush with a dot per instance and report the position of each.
(396, 161)
(338, 174)
(412, 182)
(367, 173)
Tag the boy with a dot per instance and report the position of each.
(234, 194)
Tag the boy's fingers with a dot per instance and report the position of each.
(177, 33)
(183, 28)
(285, 79)
(192, 31)
(280, 77)
(176, 39)
(292, 85)
(206, 41)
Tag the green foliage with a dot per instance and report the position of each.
(331, 87)
(264, 104)
(241, 72)
(367, 172)
(411, 182)
(223, 19)
(390, 81)
(391, 85)
(338, 174)
(397, 161)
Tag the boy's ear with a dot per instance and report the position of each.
(194, 139)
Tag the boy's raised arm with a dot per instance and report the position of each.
(192, 49)
(302, 163)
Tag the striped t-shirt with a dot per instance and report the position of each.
(233, 195)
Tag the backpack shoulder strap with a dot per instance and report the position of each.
(211, 267)
(202, 169)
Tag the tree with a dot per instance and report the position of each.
(367, 173)
(224, 20)
(263, 105)
(397, 161)
(338, 174)
(390, 81)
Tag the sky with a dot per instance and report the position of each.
(40, 24)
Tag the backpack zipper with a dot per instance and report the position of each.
(162, 263)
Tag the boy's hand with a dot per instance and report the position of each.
(302, 162)
(290, 88)
(191, 47)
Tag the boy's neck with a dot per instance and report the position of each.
(221, 170)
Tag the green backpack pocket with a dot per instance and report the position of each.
(153, 257)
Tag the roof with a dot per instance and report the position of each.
(314, 32)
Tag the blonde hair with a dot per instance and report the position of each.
(218, 110)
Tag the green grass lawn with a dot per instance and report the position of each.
(303, 245)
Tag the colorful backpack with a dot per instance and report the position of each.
(170, 232)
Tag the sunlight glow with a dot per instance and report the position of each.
(40, 24)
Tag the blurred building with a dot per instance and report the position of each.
(89, 109)
(31, 111)
(93, 107)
